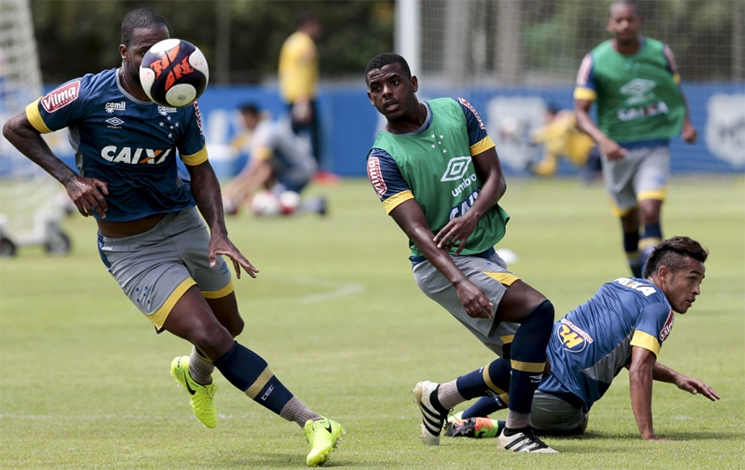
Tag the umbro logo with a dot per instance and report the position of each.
(637, 87)
(115, 122)
(457, 168)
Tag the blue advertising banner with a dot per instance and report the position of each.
(349, 125)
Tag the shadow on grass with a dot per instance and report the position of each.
(673, 436)
(276, 460)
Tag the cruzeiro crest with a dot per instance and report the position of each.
(457, 168)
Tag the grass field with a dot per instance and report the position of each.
(84, 381)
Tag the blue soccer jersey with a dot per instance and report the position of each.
(592, 343)
(129, 144)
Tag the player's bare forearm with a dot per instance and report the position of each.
(411, 219)
(457, 230)
(19, 132)
(662, 373)
(207, 194)
(640, 388)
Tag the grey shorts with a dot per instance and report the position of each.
(551, 413)
(492, 277)
(642, 174)
(155, 268)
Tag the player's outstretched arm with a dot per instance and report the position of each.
(409, 216)
(608, 146)
(640, 388)
(86, 193)
(691, 385)
(206, 190)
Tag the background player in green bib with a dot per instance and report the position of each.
(640, 106)
(438, 175)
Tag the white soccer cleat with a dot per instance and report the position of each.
(432, 420)
(524, 440)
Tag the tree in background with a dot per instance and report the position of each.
(241, 38)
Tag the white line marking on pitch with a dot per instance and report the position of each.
(339, 289)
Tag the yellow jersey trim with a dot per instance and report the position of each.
(159, 316)
(646, 341)
(505, 279)
(196, 158)
(262, 153)
(617, 211)
(259, 383)
(527, 366)
(220, 293)
(482, 146)
(34, 117)
(656, 194)
(396, 200)
(582, 93)
(676, 78)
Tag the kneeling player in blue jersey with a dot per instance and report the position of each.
(622, 325)
(151, 237)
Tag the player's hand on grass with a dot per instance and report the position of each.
(612, 150)
(88, 195)
(477, 305)
(456, 232)
(223, 246)
(694, 386)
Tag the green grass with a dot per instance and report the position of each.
(84, 380)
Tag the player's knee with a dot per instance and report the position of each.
(541, 319)
(212, 338)
(235, 326)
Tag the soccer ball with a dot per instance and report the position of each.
(265, 204)
(174, 73)
(289, 201)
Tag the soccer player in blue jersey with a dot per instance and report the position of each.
(622, 326)
(151, 237)
(439, 177)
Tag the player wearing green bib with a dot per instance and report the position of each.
(640, 106)
(438, 175)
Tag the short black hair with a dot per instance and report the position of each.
(630, 3)
(249, 108)
(672, 253)
(387, 58)
(144, 18)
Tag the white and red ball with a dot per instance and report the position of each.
(289, 201)
(174, 73)
(265, 204)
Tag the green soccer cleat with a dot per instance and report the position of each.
(202, 396)
(322, 435)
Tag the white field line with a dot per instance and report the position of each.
(334, 290)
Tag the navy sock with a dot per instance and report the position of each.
(652, 231)
(528, 356)
(631, 243)
(492, 379)
(484, 407)
(250, 373)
